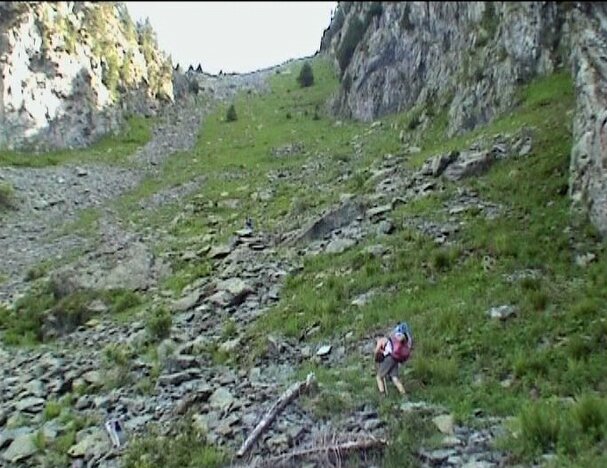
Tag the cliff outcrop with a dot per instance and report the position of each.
(466, 60)
(70, 72)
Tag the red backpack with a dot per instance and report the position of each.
(400, 350)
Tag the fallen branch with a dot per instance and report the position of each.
(334, 448)
(290, 394)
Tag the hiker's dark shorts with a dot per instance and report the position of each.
(388, 367)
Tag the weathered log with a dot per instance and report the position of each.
(290, 394)
(333, 448)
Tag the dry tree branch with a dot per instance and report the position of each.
(290, 394)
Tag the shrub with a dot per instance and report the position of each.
(538, 300)
(125, 300)
(6, 195)
(72, 311)
(51, 410)
(117, 360)
(35, 272)
(306, 76)
(316, 113)
(159, 324)
(115, 355)
(590, 415)
(229, 330)
(187, 448)
(193, 86)
(231, 114)
(540, 427)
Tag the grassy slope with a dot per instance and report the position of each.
(553, 350)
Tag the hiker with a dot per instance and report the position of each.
(390, 352)
(249, 224)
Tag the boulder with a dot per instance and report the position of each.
(22, 447)
(469, 163)
(337, 246)
(330, 221)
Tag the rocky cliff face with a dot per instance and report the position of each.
(70, 71)
(466, 59)
(588, 174)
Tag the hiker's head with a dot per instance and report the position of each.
(402, 332)
(400, 336)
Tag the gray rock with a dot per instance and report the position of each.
(229, 345)
(372, 424)
(84, 402)
(436, 457)
(334, 219)
(279, 441)
(98, 307)
(377, 213)
(221, 298)
(363, 299)
(245, 232)
(176, 378)
(36, 388)
(186, 302)
(468, 164)
(238, 290)
(338, 246)
(417, 407)
(22, 447)
(376, 250)
(8, 435)
(92, 441)
(324, 350)
(385, 227)
(444, 423)
(30, 404)
(220, 251)
(585, 259)
(503, 312)
(134, 272)
(93, 377)
(435, 165)
(221, 399)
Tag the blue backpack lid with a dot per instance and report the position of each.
(404, 329)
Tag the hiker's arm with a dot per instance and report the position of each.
(381, 345)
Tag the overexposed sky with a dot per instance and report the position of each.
(235, 36)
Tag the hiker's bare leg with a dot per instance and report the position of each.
(380, 384)
(399, 385)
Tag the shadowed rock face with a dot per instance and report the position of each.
(467, 56)
(588, 176)
(69, 71)
(467, 59)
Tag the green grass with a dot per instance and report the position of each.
(555, 344)
(188, 448)
(24, 324)
(111, 149)
(553, 349)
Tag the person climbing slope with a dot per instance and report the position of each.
(390, 352)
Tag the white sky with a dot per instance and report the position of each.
(235, 36)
